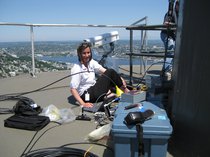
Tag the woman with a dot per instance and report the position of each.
(84, 86)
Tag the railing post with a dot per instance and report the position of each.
(32, 51)
(145, 45)
(142, 46)
(131, 55)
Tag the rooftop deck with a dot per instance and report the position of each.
(14, 141)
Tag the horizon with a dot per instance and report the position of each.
(71, 41)
(72, 12)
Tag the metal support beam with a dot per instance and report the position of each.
(131, 61)
(32, 51)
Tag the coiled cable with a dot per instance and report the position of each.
(60, 152)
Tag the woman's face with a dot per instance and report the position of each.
(86, 54)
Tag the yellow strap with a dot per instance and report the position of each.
(88, 151)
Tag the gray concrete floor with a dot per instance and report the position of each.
(14, 141)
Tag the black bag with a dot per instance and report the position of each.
(33, 123)
(138, 117)
(24, 107)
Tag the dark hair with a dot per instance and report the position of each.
(81, 48)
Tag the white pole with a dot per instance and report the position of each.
(145, 43)
(32, 51)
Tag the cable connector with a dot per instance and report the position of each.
(83, 116)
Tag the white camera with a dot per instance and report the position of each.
(103, 39)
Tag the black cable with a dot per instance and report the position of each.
(104, 94)
(13, 96)
(65, 151)
(20, 98)
(68, 144)
(6, 111)
(37, 139)
(29, 143)
(60, 152)
(128, 70)
(137, 86)
(17, 98)
(36, 90)
(19, 95)
(8, 96)
(43, 134)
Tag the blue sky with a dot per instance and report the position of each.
(108, 12)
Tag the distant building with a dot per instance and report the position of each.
(13, 55)
(12, 73)
(39, 55)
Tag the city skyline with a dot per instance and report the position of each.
(76, 12)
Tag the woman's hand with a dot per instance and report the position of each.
(87, 104)
(79, 99)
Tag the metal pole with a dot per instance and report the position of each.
(131, 54)
(145, 43)
(145, 35)
(144, 18)
(32, 51)
(142, 46)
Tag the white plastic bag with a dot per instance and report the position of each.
(99, 133)
(67, 115)
(64, 115)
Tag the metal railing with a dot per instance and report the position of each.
(51, 25)
(143, 45)
(76, 25)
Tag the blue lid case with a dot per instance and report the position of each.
(158, 125)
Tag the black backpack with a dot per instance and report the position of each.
(27, 116)
(27, 107)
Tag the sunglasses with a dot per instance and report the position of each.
(85, 44)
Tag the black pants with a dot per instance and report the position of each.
(105, 82)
